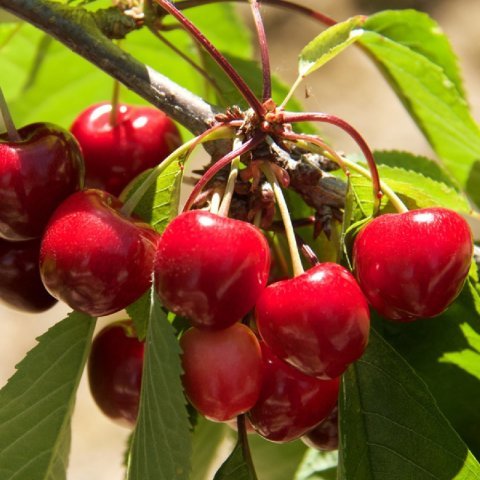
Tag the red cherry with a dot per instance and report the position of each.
(115, 369)
(222, 370)
(20, 283)
(114, 154)
(290, 403)
(318, 322)
(95, 258)
(413, 264)
(325, 435)
(36, 174)
(211, 269)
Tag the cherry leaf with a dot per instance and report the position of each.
(317, 465)
(37, 403)
(430, 91)
(329, 44)
(391, 426)
(161, 445)
(235, 467)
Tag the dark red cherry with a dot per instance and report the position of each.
(36, 174)
(318, 322)
(325, 435)
(222, 370)
(290, 403)
(95, 258)
(115, 369)
(20, 284)
(211, 269)
(140, 138)
(413, 265)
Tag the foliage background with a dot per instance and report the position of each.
(349, 87)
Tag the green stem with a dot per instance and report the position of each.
(12, 133)
(232, 178)
(115, 98)
(215, 133)
(287, 221)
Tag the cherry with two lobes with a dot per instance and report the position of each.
(37, 172)
(95, 258)
(117, 149)
(413, 265)
(115, 367)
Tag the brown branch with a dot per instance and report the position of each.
(79, 31)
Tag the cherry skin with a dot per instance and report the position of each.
(141, 138)
(20, 285)
(93, 257)
(36, 174)
(222, 370)
(290, 403)
(325, 435)
(115, 369)
(318, 322)
(413, 265)
(211, 269)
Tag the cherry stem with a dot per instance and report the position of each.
(291, 117)
(315, 15)
(264, 55)
(216, 132)
(243, 441)
(218, 165)
(238, 81)
(12, 132)
(113, 118)
(215, 202)
(287, 221)
(232, 178)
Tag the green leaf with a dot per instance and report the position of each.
(415, 189)
(420, 33)
(433, 100)
(391, 426)
(37, 403)
(318, 466)
(445, 352)
(235, 466)
(161, 446)
(139, 312)
(329, 44)
(160, 203)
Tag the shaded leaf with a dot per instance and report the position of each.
(329, 44)
(161, 446)
(318, 466)
(37, 403)
(391, 427)
(139, 312)
(235, 467)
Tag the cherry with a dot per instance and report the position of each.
(36, 174)
(140, 138)
(20, 283)
(414, 264)
(211, 269)
(95, 258)
(325, 435)
(115, 369)
(318, 321)
(222, 370)
(290, 403)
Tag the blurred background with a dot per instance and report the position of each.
(349, 87)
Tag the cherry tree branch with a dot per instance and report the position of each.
(79, 31)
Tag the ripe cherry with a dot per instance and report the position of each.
(20, 284)
(115, 369)
(318, 321)
(95, 258)
(139, 138)
(222, 370)
(325, 435)
(414, 264)
(211, 269)
(290, 403)
(36, 174)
